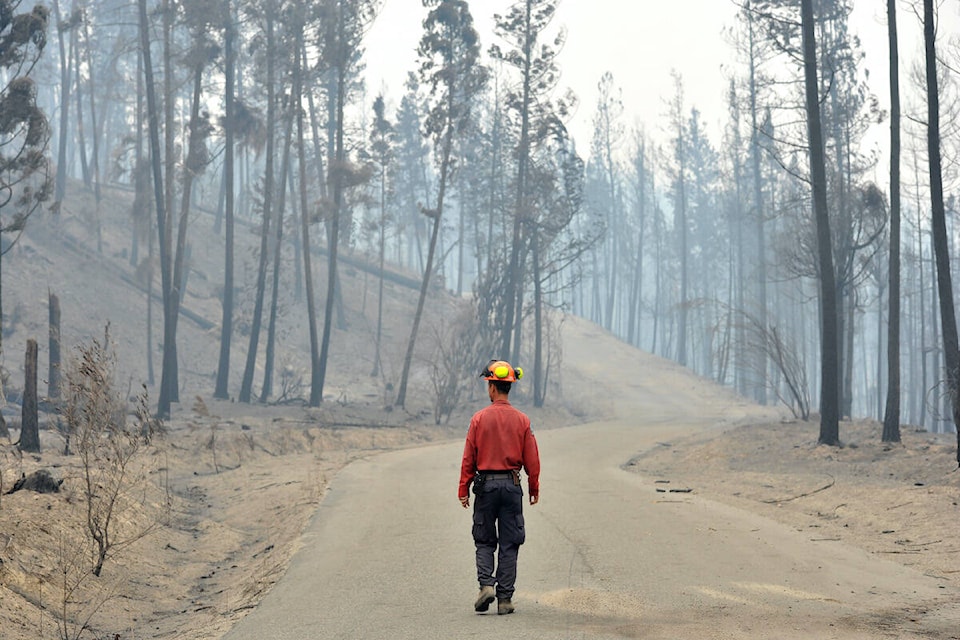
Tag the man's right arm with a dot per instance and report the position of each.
(468, 467)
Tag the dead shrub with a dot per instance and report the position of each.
(108, 446)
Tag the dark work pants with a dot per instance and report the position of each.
(498, 520)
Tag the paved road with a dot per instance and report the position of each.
(389, 555)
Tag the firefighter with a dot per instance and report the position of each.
(499, 444)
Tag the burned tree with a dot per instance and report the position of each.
(449, 55)
(29, 425)
(25, 182)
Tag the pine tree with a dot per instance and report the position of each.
(449, 61)
(531, 54)
(829, 369)
(381, 147)
(25, 181)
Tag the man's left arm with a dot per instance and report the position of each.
(531, 462)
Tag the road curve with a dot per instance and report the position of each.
(389, 554)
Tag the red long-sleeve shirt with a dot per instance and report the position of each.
(500, 439)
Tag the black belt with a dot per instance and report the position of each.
(494, 475)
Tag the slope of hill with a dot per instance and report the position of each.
(91, 273)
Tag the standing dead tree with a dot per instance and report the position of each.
(53, 369)
(448, 56)
(29, 421)
(948, 318)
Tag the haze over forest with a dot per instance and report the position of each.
(698, 243)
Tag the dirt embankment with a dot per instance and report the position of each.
(899, 501)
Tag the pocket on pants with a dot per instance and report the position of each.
(514, 530)
(484, 529)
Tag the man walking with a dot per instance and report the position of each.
(499, 443)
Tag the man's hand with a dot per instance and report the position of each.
(465, 501)
(534, 500)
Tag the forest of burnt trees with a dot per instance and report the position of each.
(739, 256)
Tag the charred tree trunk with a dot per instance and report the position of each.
(424, 286)
(53, 370)
(316, 390)
(170, 373)
(180, 258)
(163, 402)
(891, 415)
(514, 354)
(337, 84)
(382, 258)
(29, 423)
(948, 320)
(267, 389)
(61, 183)
(539, 375)
(94, 137)
(513, 281)
(139, 211)
(341, 85)
(760, 367)
(226, 325)
(246, 386)
(78, 91)
(317, 138)
(829, 342)
(436, 215)
(634, 321)
(190, 170)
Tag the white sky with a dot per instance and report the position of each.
(640, 42)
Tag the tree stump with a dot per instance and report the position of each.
(29, 422)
